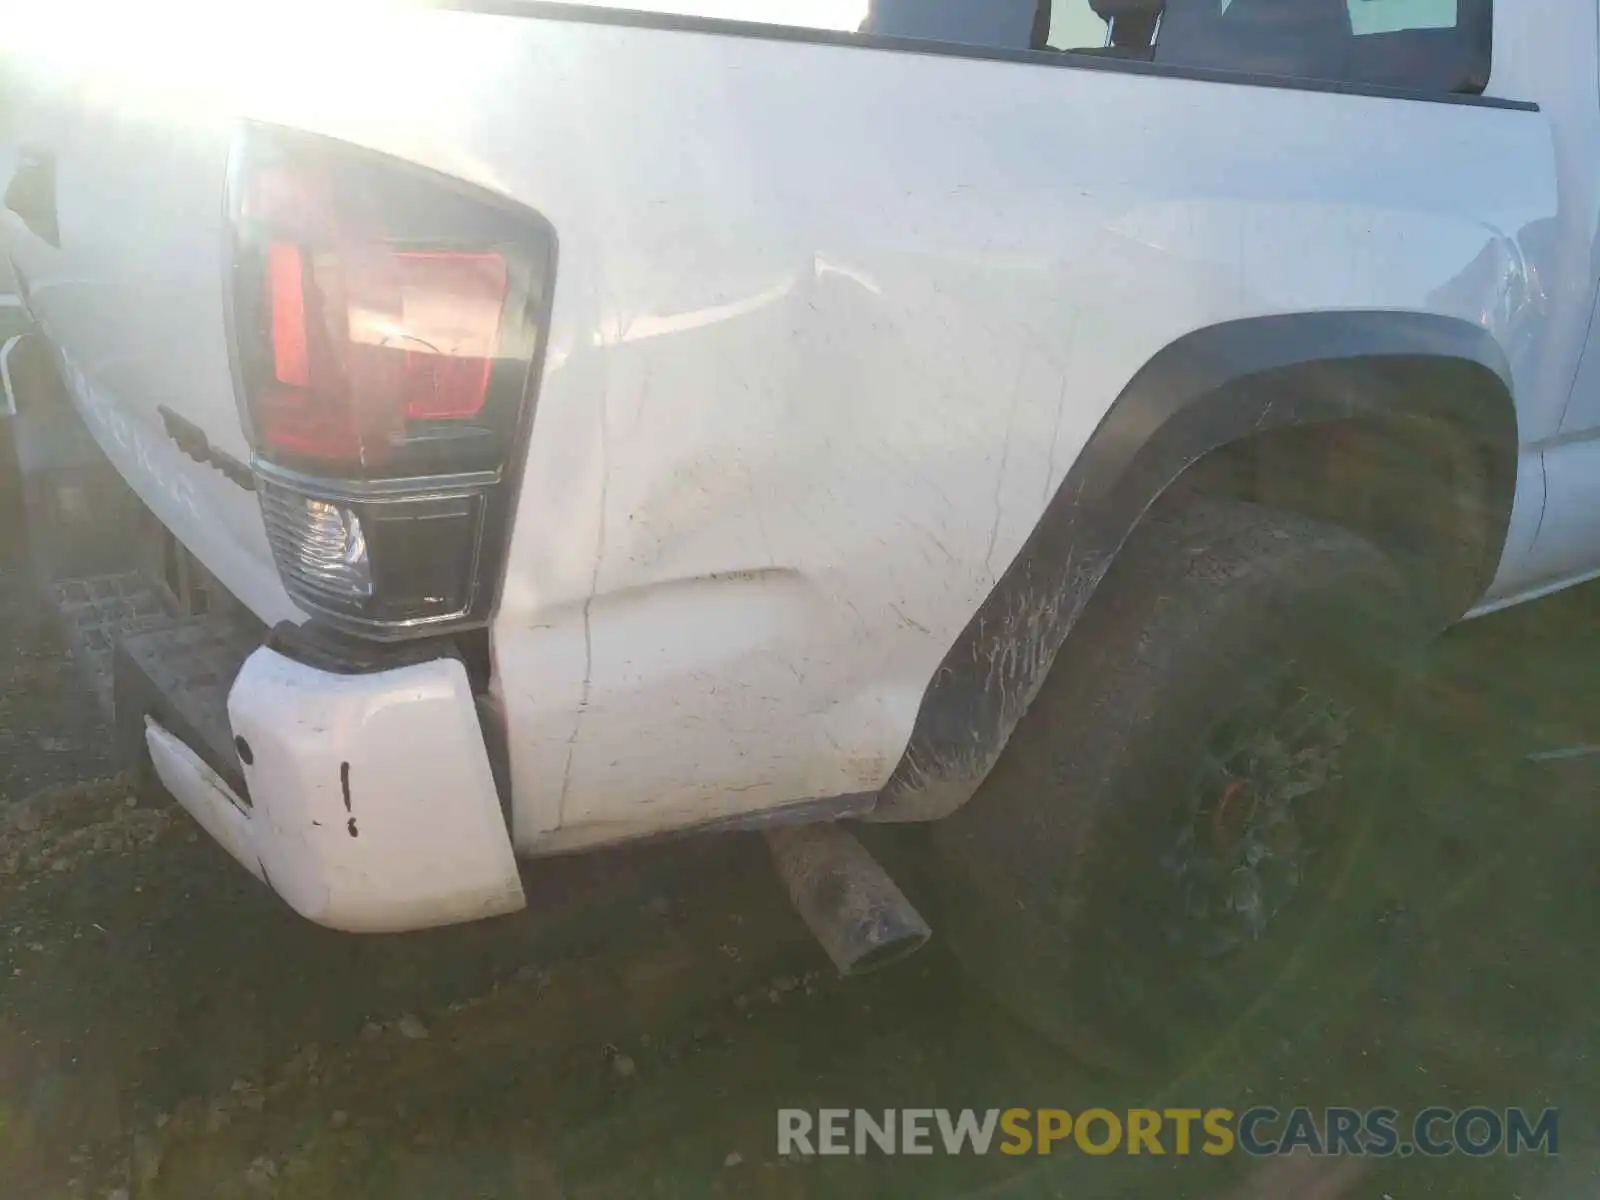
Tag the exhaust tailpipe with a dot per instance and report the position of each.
(847, 899)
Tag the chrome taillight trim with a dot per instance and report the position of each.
(420, 487)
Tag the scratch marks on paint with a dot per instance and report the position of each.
(344, 788)
(761, 524)
(907, 621)
(1055, 439)
(588, 605)
(1005, 463)
(1012, 664)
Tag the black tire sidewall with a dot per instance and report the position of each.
(1054, 865)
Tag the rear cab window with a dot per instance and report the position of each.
(1423, 46)
(1418, 45)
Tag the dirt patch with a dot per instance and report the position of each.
(167, 1026)
(168, 1029)
(49, 733)
(56, 830)
(653, 1062)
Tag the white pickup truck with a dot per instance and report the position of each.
(1052, 422)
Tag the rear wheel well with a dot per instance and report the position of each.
(1398, 427)
(1428, 488)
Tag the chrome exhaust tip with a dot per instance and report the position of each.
(862, 920)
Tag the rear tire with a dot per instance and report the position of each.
(1172, 817)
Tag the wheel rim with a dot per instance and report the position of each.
(1260, 807)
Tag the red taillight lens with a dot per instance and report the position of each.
(386, 323)
(449, 317)
(371, 339)
(287, 303)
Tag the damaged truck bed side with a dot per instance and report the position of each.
(1051, 421)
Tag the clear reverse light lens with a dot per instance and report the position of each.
(320, 547)
(334, 536)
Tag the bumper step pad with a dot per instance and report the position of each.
(181, 674)
(96, 612)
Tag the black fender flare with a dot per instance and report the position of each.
(1211, 387)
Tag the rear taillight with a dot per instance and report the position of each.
(386, 327)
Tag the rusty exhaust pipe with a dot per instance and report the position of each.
(862, 920)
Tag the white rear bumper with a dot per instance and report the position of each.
(371, 804)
